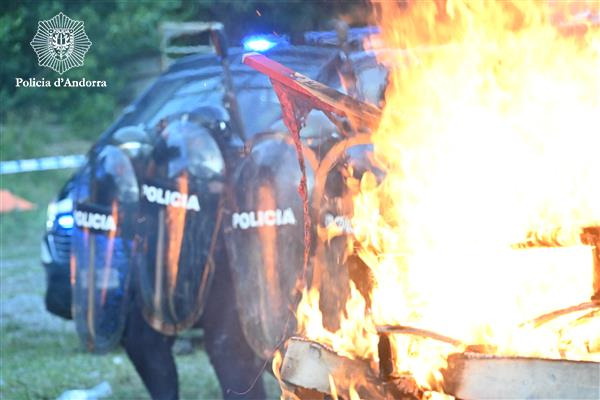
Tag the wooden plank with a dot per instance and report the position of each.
(542, 319)
(309, 365)
(480, 376)
(410, 330)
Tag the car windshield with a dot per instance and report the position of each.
(172, 96)
(254, 99)
(254, 92)
(194, 93)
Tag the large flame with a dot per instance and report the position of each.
(489, 134)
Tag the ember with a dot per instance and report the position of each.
(489, 133)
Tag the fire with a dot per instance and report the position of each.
(489, 135)
(276, 368)
(357, 335)
(176, 228)
(107, 269)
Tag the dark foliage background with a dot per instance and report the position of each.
(121, 31)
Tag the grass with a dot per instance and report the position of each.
(40, 354)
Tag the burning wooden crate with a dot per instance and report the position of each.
(312, 370)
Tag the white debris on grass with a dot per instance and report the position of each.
(99, 391)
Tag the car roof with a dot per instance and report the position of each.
(294, 57)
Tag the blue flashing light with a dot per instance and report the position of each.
(66, 221)
(262, 43)
(258, 44)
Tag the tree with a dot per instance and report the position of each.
(122, 30)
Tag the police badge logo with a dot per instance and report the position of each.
(60, 43)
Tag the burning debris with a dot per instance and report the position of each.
(481, 240)
(311, 365)
(313, 370)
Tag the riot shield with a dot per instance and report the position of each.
(179, 218)
(331, 200)
(101, 244)
(334, 263)
(263, 228)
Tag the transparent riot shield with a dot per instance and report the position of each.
(298, 95)
(264, 232)
(106, 203)
(179, 217)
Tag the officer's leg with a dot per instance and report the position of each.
(150, 352)
(232, 358)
